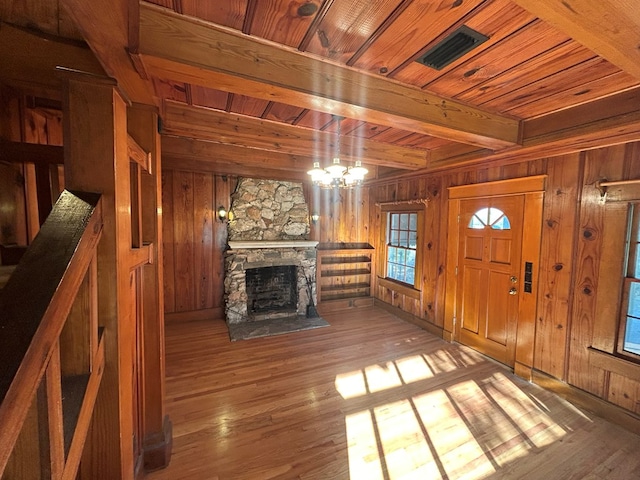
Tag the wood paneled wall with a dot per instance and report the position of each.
(194, 240)
(28, 187)
(571, 252)
(344, 214)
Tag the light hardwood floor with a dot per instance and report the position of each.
(371, 397)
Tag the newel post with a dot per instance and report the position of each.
(96, 160)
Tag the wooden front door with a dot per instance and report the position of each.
(489, 265)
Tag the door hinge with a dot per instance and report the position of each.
(456, 270)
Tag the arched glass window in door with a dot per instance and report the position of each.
(492, 217)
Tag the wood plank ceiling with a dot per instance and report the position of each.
(263, 78)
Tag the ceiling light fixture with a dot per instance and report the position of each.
(336, 174)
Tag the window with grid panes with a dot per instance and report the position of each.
(402, 239)
(629, 338)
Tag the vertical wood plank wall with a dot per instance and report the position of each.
(571, 250)
(194, 241)
(22, 122)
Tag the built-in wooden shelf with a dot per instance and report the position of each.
(344, 272)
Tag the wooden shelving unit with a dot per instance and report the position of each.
(344, 273)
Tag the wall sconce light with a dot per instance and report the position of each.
(222, 213)
(315, 216)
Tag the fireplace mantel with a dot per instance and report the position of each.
(251, 244)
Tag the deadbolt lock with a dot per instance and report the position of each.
(514, 279)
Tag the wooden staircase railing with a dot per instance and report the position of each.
(51, 346)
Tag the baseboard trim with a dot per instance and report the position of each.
(596, 405)
(408, 317)
(157, 448)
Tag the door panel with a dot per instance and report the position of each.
(490, 235)
(498, 304)
(473, 301)
(500, 251)
(473, 248)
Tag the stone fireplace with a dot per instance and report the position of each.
(270, 265)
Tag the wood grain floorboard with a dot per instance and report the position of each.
(370, 397)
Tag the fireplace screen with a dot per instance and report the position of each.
(271, 289)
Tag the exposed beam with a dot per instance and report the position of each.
(44, 55)
(607, 121)
(180, 48)
(207, 124)
(194, 165)
(180, 153)
(18, 152)
(593, 118)
(235, 157)
(105, 26)
(609, 28)
(171, 161)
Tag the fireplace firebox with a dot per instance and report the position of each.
(272, 289)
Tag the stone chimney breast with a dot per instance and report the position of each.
(268, 210)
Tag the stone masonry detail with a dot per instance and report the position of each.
(268, 210)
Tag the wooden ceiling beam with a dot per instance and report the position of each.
(609, 28)
(187, 149)
(223, 164)
(607, 121)
(38, 68)
(170, 162)
(180, 153)
(184, 49)
(206, 124)
(105, 25)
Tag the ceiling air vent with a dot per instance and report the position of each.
(451, 48)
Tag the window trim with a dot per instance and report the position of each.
(611, 303)
(386, 210)
(622, 319)
(630, 255)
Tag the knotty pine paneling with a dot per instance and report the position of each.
(557, 245)
(571, 252)
(624, 392)
(194, 240)
(600, 163)
(344, 214)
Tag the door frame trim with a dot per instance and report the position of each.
(533, 189)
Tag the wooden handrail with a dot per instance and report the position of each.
(35, 303)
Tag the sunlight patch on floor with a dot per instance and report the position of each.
(382, 377)
(470, 429)
(364, 457)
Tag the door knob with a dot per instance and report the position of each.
(513, 291)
